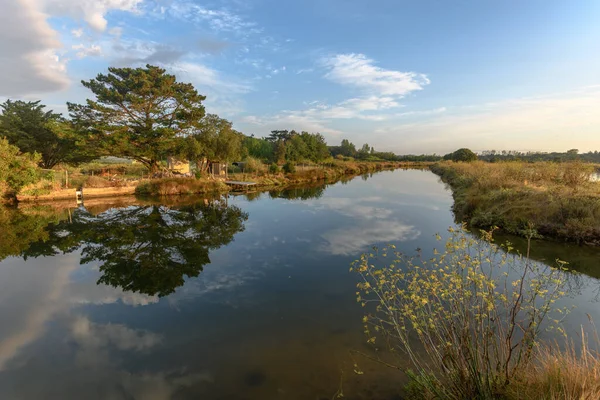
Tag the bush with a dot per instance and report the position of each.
(289, 167)
(274, 169)
(254, 165)
(477, 319)
(16, 169)
(465, 155)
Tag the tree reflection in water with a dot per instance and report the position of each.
(148, 249)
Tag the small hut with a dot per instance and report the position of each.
(180, 167)
(218, 168)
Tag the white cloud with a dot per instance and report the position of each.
(116, 31)
(203, 77)
(218, 20)
(381, 89)
(77, 32)
(222, 93)
(91, 51)
(316, 117)
(434, 111)
(359, 71)
(297, 121)
(29, 63)
(91, 11)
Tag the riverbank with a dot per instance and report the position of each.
(328, 173)
(558, 200)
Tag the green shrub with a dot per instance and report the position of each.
(274, 169)
(289, 167)
(254, 165)
(16, 169)
(464, 154)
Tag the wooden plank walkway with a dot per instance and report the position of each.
(240, 183)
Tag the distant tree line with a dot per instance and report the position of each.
(348, 149)
(533, 156)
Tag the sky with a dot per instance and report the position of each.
(418, 76)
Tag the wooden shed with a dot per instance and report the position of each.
(218, 169)
(181, 167)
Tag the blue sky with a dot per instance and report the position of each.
(406, 76)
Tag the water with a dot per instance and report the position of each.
(245, 297)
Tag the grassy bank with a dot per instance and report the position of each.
(170, 186)
(557, 200)
(329, 172)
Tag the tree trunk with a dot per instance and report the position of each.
(153, 166)
(202, 165)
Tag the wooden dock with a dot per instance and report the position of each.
(239, 185)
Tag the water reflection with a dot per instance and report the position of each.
(147, 249)
(20, 229)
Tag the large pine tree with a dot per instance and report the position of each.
(138, 113)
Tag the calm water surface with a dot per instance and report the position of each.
(245, 297)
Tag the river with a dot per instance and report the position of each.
(241, 297)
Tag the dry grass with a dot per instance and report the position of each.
(541, 175)
(170, 186)
(559, 199)
(97, 182)
(562, 373)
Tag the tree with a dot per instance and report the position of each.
(214, 140)
(316, 147)
(138, 113)
(463, 154)
(258, 148)
(296, 149)
(279, 153)
(33, 130)
(364, 151)
(16, 169)
(347, 148)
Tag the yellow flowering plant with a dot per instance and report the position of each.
(468, 319)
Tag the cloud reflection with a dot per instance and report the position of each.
(349, 241)
(370, 224)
